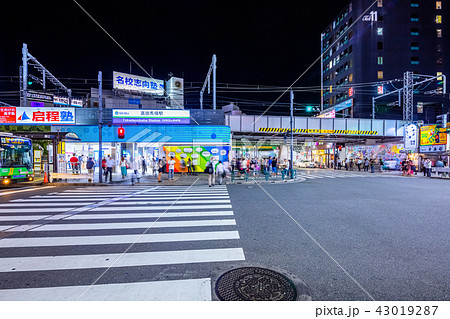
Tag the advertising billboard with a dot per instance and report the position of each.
(134, 116)
(432, 139)
(7, 114)
(47, 115)
(199, 155)
(131, 82)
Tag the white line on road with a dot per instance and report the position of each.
(130, 208)
(152, 215)
(130, 225)
(24, 190)
(175, 202)
(116, 239)
(43, 263)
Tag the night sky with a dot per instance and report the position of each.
(256, 42)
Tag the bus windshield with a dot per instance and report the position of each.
(13, 155)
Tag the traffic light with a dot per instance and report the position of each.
(441, 120)
(309, 108)
(121, 133)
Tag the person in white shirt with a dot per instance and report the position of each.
(171, 163)
(109, 168)
(220, 169)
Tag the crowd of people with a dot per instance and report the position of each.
(360, 163)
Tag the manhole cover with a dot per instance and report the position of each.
(255, 284)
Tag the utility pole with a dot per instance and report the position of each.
(214, 65)
(408, 100)
(321, 72)
(292, 135)
(213, 70)
(25, 74)
(100, 123)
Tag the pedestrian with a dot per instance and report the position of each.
(171, 163)
(189, 166)
(74, 163)
(351, 164)
(135, 166)
(243, 165)
(220, 172)
(346, 164)
(381, 164)
(90, 164)
(366, 165)
(183, 166)
(123, 166)
(274, 166)
(339, 163)
(211, 174)
(358, 163)
(144, 166)
(404, 168)
(109, 168)
(160, 170)
(104, 166)
(194, 166)
(372, 166)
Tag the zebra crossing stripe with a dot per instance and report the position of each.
(152, 215)
(169, 290)
(129, 225)
(68, 262)
(171, 207)
(116, 239)
(173, 202)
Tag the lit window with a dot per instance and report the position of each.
(380, 75)
(415, 46)
(350, 78)
(380, 60)
(438, 19)
(414, 5)
(439, 77)
(439, 33)
(380, 31)
(438, 5)
(380, 3)
(414, 60)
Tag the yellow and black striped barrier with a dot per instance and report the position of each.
(317, 131)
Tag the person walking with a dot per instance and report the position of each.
(366, 165)
(346, 164)
(109, 168)
(183, 167)
(358, 163)
(351, 164)
(274, 166)
(74, 163)
(211, 174)
(372, 166)
(171, 163)
(189, 166)
(123, 166)
(144, 166)
(339, 164)
(155, 167)
(104, 166)
(220, 172)
(160, 170)
(90, 164)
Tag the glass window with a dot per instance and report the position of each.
(439, 77)
(414, 60)
(380, 31)
(438, 19)
(380, 45)
(350, 77)
(380, 60)
(438, 5)
(380, 3)
(439, 61)
(414, 31)
(380, 75)
(439, 33)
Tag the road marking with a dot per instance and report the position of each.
(43, 263)
(152, 215)
(35, 210)
(22, 218)
(174, 202)
(171, 290)
(101, 226)
(24, 190)
(109, 208)
(116, 239)
(141, 196)
(47, 204)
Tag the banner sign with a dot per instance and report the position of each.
(431, 135)
(45, 115)
(130, 82)
(317, 131)
(411, 137)
(134, 116)
(39, 97)
(60, 100)
(7, 114)
(329, 115)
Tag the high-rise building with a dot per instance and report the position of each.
(371, 44)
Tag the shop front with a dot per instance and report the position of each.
(148, 143)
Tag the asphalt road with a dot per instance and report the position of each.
(382, 238)
(347, 236)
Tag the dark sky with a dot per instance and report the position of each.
(256, 42)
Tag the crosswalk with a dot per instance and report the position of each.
(305, 175)
(116, 243)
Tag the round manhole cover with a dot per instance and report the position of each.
(255, 284)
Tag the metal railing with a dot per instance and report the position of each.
(282, 174)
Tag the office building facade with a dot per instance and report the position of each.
(370, 45)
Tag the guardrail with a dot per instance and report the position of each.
(263, 175)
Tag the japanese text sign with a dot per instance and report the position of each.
(130, 82)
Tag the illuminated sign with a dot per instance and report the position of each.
(7, 115)
(318, 131)
(380, 89)
(350, 92)
(371, 17)
(130, 82)
(45, 115)
(40, 97)
(411, 137)
(60, 100)
(134, 116)
(329, 115)
(431, 135)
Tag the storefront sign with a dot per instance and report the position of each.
(432, 149)
(151, 116)
(411, 137)
(130, 82)
(47, 115)
(318, 131)
(7, 114)
(430, 135)
(64, 101)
